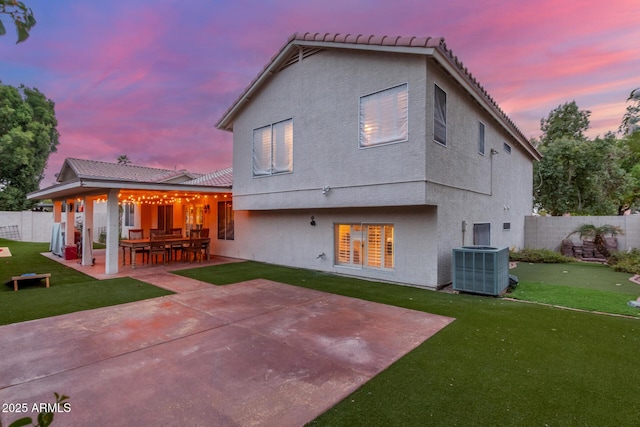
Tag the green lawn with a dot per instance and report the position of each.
(500, 363)
(583, 286)
(70, 290)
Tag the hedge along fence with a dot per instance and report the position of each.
(547, 232)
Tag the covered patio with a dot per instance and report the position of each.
(103, 201)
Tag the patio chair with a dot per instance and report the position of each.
(195, 246)
(205, 234)
(175, 247)
(135, 234)
(156, 232)
(157, 246)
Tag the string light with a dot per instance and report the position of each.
(160, 199)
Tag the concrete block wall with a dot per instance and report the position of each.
(32, 226)
(547, 232)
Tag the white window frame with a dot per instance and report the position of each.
(442, 121)
(274, 139)
(383, 117)
(129, 213)
(361, 248)
(482, 230)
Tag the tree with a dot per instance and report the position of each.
(566, 121)
(28, 135)
(631, 119)
(578, 175)
(559, 178)
(124, 160)
(21, 16)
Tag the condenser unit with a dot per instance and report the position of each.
(481, 270)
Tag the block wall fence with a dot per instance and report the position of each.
(547, 232)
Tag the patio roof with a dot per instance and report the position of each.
(79, 177)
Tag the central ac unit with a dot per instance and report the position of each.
(481, 270)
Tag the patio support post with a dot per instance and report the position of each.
(87, 232)
(113, 215)
(57, 211)
(70, 224)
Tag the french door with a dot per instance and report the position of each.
(364, 245)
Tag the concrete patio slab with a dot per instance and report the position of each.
(252, 353)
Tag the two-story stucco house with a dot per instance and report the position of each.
(373, 157)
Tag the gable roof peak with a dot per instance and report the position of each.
(371, 39)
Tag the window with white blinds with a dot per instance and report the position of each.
(273, 149)
(364, 245)
(384, 116)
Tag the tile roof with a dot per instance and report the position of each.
(416, 45)
(219, 178)
(114, 171)
(369, 40)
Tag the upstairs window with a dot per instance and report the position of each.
(439, 116)
(481, 138)
(384, 117)
(273, 149)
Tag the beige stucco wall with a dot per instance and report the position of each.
(322, 96)
(286, 237)
(425, 188)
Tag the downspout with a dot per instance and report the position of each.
(492, 153)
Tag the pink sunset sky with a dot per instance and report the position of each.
(150, 78)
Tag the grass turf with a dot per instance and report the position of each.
(70, 290)
(577, 285)
(500, 363)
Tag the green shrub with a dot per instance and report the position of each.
(538, 255)
(628, 262)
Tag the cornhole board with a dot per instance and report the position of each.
(5, 252)
(30, 277)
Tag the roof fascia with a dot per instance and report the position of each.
(361, 46)
(47, 193)
(84, 186)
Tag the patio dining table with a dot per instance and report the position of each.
(135, 244)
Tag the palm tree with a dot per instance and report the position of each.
(598, 235)
(124, 160)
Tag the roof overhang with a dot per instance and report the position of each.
(94, 187)
(448, 64)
